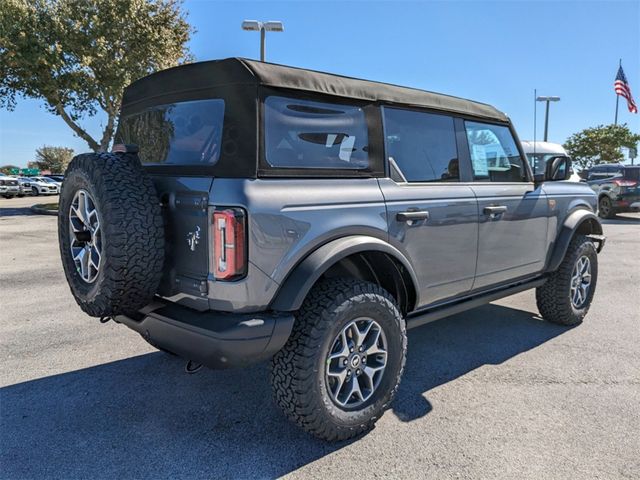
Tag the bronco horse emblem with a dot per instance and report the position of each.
(193, 238)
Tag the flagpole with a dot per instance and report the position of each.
(617, 100)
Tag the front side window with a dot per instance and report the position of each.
(314, 135)
(185, 133)
(422, 146)
(494, 154)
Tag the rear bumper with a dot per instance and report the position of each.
(214, 339)
(626, 203)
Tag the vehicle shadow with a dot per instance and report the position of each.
(445, 350)
(143, 417)
(15, 211)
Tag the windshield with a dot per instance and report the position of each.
(186, 133)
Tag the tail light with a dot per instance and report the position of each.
(625, 183)
(229, 244)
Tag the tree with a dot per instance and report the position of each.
(79, 55)
(54, 159)
(600, 144)
(6, 169)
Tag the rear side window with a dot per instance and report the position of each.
(314, 135)
(185, 133)
(494, 154)
(632, 173)
(422, 146)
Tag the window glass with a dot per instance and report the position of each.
(632, 173)
(494, 154)
(421, 146)
(185, 133)
(308, 134)
(538, 161)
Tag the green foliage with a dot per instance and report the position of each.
(600, 144)
(8, 169)
(78, 55)
(54, 159)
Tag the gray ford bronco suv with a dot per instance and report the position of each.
(253, 211)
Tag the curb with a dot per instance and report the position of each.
(43, 211)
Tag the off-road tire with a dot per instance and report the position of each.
(605, 208)
(132, 233)
(554, 299)
(298, 370)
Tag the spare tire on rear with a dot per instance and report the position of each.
(110, 233)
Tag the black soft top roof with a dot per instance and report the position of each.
(189, 78)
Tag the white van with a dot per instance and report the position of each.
(538, 153)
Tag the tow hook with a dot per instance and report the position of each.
(192, 367)
(105, 319)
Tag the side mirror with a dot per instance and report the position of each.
(558, 168)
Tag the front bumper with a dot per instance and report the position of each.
(211, 338)
(13, 191)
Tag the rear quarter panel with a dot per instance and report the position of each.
(289, 219)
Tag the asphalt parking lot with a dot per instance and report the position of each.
(491, 393)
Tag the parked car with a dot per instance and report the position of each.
(40, 186)
(51, 180)
(9, 187)
(539, 153)
(57, 178)
(253, 211)
(617, 187)
(25, 186)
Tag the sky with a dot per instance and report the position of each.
(493, 52)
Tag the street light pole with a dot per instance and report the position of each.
(546, 121)
(263, 28)
(546, 114)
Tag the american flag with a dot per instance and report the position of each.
(622, 88)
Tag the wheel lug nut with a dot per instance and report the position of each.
(364, 359)
(351, 349)
(361, 349)
(358, 372)
(344, 361)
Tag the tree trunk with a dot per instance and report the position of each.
(107, 134)
(93, 145)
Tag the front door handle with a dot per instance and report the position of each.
(412, 215)
(494, 211)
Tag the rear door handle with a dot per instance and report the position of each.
(412, 215)
(495, 210)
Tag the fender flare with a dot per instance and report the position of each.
(572, 224)
(297, 285)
